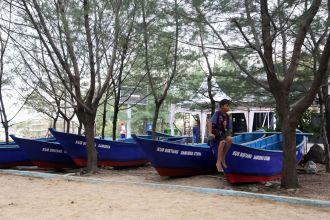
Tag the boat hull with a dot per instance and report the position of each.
(45, 153)
(250, 164)
(174, 159)
(109, 153)
(11, 155)
(178, 159)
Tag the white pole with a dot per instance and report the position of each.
(268, 119)
(264, 122)
(129, 121)
(250, 124)
(203, 125)
(247, 119)
(172, 116)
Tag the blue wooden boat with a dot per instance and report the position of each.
(175, 159)
(260, 160)
(45, 153)
(158, 134)
(12, 155)
(122, 153)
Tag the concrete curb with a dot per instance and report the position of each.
(222, 192)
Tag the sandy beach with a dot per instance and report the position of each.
(27, 198)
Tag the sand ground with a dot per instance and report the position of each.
(35, 198)
(23, 197)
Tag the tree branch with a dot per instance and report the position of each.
(242, 68)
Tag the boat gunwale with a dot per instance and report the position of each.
(265, 150)
(201, 145)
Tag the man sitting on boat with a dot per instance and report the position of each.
(219, 128)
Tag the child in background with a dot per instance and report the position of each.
(122, 131)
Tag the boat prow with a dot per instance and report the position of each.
(45, 153)
(109, 153)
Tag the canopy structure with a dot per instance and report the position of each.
(201, 97)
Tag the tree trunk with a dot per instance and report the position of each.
(3, 115)
(6, 127)
(288, 122)
(325, 122)
(67, 125)
(90, 145)
(213, 107)
(114, 121)
(80, 128)
(88, 121)
(289, 170)
(104, 117)
(327, 125)
(55, 121)
(154, 121)
(162, 125)
(210, 74)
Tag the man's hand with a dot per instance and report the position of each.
(211, 136)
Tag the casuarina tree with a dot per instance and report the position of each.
(274, 34)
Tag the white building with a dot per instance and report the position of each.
(244, 118)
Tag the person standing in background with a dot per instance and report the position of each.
(122, 130)
(196, 132)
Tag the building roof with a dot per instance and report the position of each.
(201, 96)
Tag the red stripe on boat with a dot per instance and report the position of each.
(15, 164)
(239, 178)
(131, 163)
(80, 162)
(46, 164)
(182, 172)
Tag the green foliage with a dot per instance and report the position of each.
(140, 115)
(306, 123)
(240, 87)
